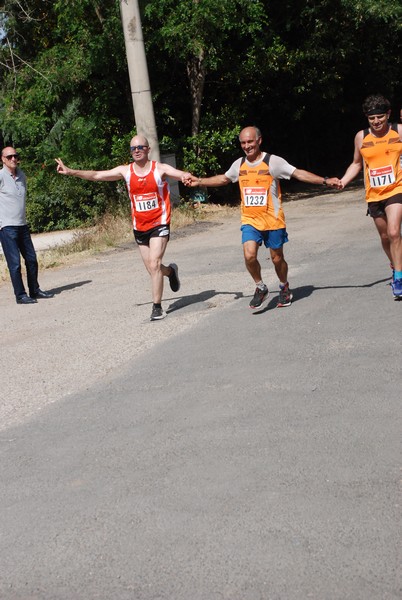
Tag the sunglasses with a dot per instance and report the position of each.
(10, 156)
(134, 148)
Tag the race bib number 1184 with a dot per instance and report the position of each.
(146, 202)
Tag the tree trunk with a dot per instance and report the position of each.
(196, 75)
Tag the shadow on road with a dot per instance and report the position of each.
(304, 291)
(70, 286)
(195, 299)
(202, 297)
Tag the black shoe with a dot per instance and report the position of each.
(174, 280)
(26, 300)
(285, 296)
(40, 294)
(157, 314)
(260, 295)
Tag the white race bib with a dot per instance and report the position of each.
(382, 176)
(145, 202)
(256, 196)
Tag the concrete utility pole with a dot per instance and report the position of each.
(138, 71)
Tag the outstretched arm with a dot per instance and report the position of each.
(214, 181)
(110, 175)
(356, 165)
(308, 177)
(166, 169)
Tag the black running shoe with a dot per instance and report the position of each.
(157, 314)
(260, 295)
(174, 280)
(285, 296)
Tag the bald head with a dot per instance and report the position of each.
(139, 149)
(10, 158)
(7, 151)
(250, 141)
(139, 140)
(252, 131)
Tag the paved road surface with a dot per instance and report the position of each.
(218, 454)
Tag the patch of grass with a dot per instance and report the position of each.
(187, 213)
(109, 231)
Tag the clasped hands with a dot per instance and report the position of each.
(334, 182)
(190, 180)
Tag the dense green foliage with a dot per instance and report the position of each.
(297, 69)
(65, 93)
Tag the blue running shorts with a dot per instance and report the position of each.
(274, 238)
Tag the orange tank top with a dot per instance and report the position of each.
(149, 197)
(261, 199)
(382, 165)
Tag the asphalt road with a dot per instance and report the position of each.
(218, 454)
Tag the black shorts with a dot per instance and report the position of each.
(377, 209)
(142, 237)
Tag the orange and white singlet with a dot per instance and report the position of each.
(149, 197)
(261, 198)
(382, 166)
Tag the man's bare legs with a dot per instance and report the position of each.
(152, 256)
(250, 249)
(382, 228)
(394, 219)
(280, 264)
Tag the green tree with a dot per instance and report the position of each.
(297, 69)
(65, 92)
(200, 35)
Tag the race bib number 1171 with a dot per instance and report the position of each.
(382, 176)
